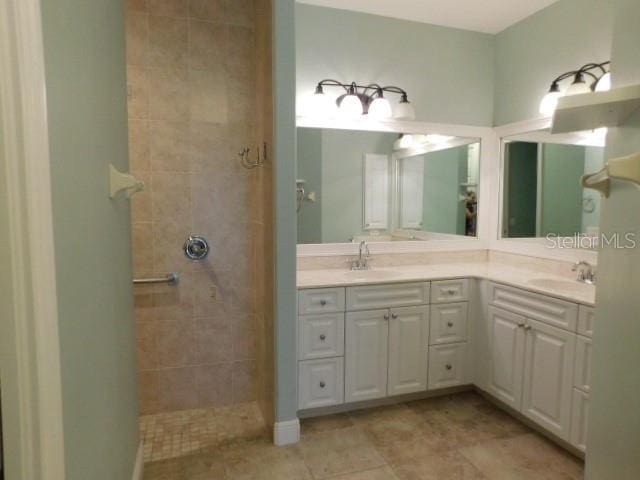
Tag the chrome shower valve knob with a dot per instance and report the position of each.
(196, 248)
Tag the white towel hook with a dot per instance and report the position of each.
(623, 168)
(123, 182)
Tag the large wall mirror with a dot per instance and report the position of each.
(383, 187)
(542, 195)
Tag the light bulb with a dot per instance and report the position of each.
(380, 109)
(321, 106)
(405, 141)
(604, 84)
(404, 110)
(351, 107)
(579, 86)
(549, 103)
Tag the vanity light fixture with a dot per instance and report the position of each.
(588, 78)
(359, 101)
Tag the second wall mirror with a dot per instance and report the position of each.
(542, 195)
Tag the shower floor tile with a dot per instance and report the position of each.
(177, 434)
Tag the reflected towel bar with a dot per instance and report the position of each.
(170, 279)
(623, 168)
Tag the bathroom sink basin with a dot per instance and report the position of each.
(561, 285)
(370, 275)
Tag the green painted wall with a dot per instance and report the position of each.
(531, 53)
(86, 98)
(448, 73)
(309, 169)
(522, 181)
(284, 121)
(614, 417)
(444, 171)
(561, 194)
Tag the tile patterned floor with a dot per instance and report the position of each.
(460, 437)
(177, 434)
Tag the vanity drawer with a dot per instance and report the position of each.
(320, 336)
(320, 383)
(320, 300)
(371, 297)
(448, 323)
(444, 291)
(536, 306)
(447, 366)
(586, 320)
(582, 370)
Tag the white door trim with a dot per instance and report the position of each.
(32, 390)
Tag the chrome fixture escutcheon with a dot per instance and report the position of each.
(196, 248)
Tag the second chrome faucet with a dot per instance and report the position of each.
(586, 272)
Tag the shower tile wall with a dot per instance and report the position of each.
(191, 94)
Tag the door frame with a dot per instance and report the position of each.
(29, 336)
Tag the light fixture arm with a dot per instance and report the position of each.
(362, 90)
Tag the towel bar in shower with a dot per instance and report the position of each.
(623, 168)
(170, 279)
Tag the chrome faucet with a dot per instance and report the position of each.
(362, 263)
(586, 272)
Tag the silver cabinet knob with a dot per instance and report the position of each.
(323, 302)
(448, 366)
(386, 316)
(394, 316)
(322, 384)
(449, 324)
(323, 337)
(451, 291)
(527, 328)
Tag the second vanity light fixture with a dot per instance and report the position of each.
(592, 77)
(358, 101)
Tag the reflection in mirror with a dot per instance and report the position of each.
(438, 187)
(343, 185)
(382, 187)
(541, 185)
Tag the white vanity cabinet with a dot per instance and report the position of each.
(533, 350)
(381, 335)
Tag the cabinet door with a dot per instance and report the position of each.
(408, 350)
(579, 419)
(548, 377)
(366, 342)
(506, 349)
(582, 372)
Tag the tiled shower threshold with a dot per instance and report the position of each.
(187, 432)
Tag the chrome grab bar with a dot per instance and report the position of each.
(170, 279)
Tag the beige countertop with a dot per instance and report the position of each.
(541, 282)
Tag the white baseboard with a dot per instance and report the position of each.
(286, 433)
(138, 469)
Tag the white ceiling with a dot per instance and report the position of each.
(488, 16)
